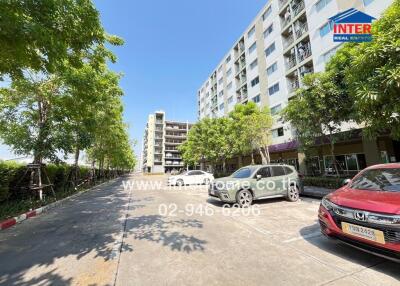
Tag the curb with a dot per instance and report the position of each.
(18, 219)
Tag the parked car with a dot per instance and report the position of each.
(365, 212)
(196, 177)
(257, 182)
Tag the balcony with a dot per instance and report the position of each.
(291, 62)
(282, 3)
(287, 41)
(297, 8)
(286, 18)
(294, 85)
(300, 29)
(303, 51)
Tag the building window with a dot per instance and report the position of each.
(254, 64)
(272, 68)
(252, 48)
(221, 93)
(276, 109)
(273, 89)
(278, 132)
(207, 94)
(321, 4)
(330, 53)
(221, 81)
(221, 107)
(270, 49)
(269, 30)
(228, 72)
(367, 2)
(220, 69)
(325, 29)
(228, 59)
(255, 81)
(251, 32)
(267, 13)
(256, 99)
(230, 100)
(229, 86)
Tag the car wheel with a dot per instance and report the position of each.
(180, 183)
(244, 198)
(206, 182)
(293, 193)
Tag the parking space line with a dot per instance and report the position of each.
(311, 235)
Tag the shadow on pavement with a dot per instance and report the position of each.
(82, 227)
(346, 252)
(158, 229)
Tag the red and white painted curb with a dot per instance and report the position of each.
(18, 219)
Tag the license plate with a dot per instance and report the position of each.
(364, 232)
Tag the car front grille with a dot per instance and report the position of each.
(392, 234)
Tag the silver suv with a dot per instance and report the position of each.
(257, 182)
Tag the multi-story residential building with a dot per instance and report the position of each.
(287, 40)
(160, 144)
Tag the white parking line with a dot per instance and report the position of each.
(311, 235)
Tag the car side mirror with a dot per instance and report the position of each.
(258, 177)
(346, 182)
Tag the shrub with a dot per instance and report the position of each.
(324, 182)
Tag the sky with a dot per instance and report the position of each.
(170, 49)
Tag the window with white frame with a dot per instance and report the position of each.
(273, 89)
(228, 59)
(251, 32)
(279, 132)
(221, 107)
(367, 2)
(254, 64)
(326, 29)
(276, 109)
(267, 13)
(256, 99)
(229, 72)
(272, 68)
(230, 100)
(268, 31)
(221, 93)
(252, 48)
(221, 81)
(321, 4)
(270, 49)
(255, 81)
(229, 86)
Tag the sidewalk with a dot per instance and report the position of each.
(316, 192)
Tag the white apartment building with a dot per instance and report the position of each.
(161, 139)
(287, 40)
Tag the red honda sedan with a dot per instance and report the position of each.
(365, 213)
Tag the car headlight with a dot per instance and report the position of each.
(328, 204)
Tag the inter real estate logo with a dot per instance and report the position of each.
(352, 26)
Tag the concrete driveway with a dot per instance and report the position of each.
(171, 236)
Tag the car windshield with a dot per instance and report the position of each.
(242, 173)
(387, 180)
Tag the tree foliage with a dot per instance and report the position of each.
(371, 74)
(247, 128)
(63, 98)
(43, 35)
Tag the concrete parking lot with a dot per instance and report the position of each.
(173, 236)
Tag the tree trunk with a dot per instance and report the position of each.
(252, 158)
(263, 158)
(224, 166)
(240, 161)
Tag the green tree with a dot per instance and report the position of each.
(319, 110)
(251, 128)
(371, 73)
(43, 35)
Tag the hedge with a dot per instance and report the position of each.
(323, 182)
(14, 196)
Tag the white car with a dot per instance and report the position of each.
(191, 178)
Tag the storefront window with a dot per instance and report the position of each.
(351, 161)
